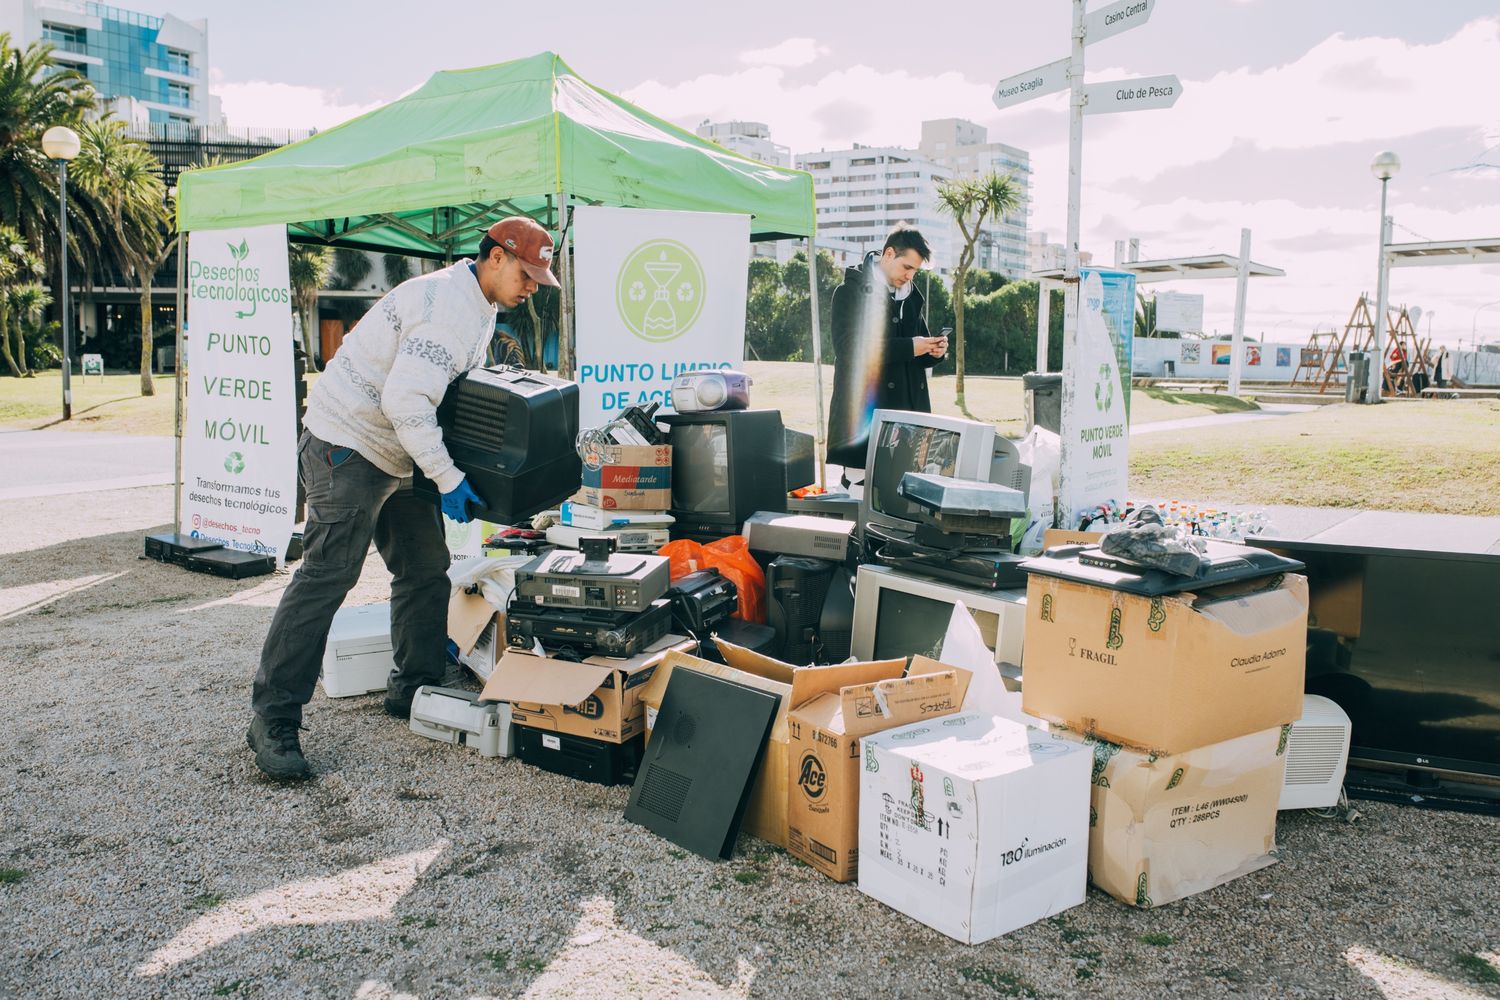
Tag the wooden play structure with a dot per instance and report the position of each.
(1405, 369)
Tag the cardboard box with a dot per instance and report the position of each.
(575, 514)
(469, 616)
(973, 825)
(1162, 828)
(598, 698)
(1054, 537)
(1165, 674)
(832, 708)
(798, 535)
(628, 477)
(765, 816)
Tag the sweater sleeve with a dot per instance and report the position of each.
(430, 356)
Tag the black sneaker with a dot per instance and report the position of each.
(278, 751)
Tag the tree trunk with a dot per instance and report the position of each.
(960, 280)
(307, 337)
(20, 348)
(148, 386)
(10, 360)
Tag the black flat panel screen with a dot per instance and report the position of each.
(1409, 646)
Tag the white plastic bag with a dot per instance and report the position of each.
(1042, 450)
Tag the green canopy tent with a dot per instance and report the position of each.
(424, 175)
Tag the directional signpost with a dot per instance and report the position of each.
(1140, 94)
(1100, 98)
(1048, 79)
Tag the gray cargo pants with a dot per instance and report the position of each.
(349, 503)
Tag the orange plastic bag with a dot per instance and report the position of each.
(731, 557)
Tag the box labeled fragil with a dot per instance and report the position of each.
(832, 708)
(973, 825)
(627, 477)
(765, 816)
(1162, 828)
(598, 698)
(1165, 674)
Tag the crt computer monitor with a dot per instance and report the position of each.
(726, 465)
(897, 615)
(902, 442)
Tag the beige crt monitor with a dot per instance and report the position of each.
(898, 614)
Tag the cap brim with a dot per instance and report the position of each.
(541, 275)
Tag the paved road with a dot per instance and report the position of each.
(52, 463)
(1267, 411)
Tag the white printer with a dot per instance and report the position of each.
(359, 656)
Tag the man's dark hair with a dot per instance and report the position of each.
(906, 237)
(486, 244)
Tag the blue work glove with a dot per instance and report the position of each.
(452, 652)
(457, 500)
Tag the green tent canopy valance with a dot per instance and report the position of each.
(422, 175)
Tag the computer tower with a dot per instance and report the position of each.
(836, 623)
(512, 433)
(796, 587)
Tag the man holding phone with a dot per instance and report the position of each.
(882, 347)
(372, 417)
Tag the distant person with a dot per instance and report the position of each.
(1440, 369)
(882, 348)
(371, 417)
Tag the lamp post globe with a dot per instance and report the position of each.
(61, 144)
(1385, 165)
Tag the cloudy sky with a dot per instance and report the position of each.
(1284, 104)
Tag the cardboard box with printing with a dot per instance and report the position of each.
(598, 698)
(1165, 674)
(627, 477)
(832, 708)
(1162, 828)
(973, 825)
(765, 816)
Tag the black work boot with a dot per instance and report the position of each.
(278, 752)
(398, 702)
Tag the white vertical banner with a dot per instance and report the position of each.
(1095, 416)
(658, 294)
(239, 468)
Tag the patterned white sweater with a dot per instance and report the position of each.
(380, 393)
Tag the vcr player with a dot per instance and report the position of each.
(371, 415)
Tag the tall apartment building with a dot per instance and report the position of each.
(148, 69)
(964, 150)
(751, 140)
(862, 192)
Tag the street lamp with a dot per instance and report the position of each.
(1384, 166)
(60, 143)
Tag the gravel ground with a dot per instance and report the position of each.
(143, 855)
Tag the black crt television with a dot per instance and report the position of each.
(1408, 644)
(512, 432)
(726, 465)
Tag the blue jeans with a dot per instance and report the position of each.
(350, 503)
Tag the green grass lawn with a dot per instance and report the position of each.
(1436, 455)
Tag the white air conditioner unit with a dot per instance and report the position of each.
(1317, 752)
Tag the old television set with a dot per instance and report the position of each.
(726, 465)
(1405, 642)
(898, 615)
(902, 442)
(511, 433)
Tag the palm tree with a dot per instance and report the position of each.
(36, 94)
(123, 175)
(18, 268)
(307, 267)
(1145, 315)
(26, 305)
(971, 201)
(397, 268)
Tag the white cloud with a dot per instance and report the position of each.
(258, 103)
(792, 52)
(1320, 226)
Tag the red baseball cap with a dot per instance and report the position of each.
(530, 244)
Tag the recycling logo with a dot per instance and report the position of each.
(659, 290)
(1104, 389)
(234, 462)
